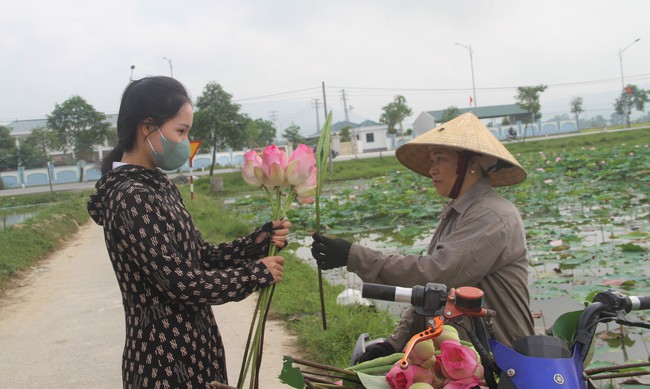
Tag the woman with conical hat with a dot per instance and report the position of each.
(479, 241)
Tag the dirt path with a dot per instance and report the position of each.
(63, 327)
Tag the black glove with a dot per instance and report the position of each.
(330, 253)
(375, 351)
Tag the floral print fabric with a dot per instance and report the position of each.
(169, 276)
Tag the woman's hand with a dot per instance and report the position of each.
(276, 265)
(279, 234)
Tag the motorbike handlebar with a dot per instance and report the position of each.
(637, 303)
(426, 300)
(386, 293)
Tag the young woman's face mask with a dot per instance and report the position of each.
(173, 155)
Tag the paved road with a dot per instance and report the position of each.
(62, 326)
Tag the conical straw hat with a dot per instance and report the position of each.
(466, 132)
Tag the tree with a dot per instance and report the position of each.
(8, 150)
(576, 109)
(598, 121)
(345, 134)
(450, 113)
(636, 98)
(260, 133)
(78, 126)
(34, 150)
(505, 121)
(292, 135)
(394, 114)
(617, 119)
(217, 121)
(528, 98)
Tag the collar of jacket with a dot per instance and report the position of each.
(475, 192)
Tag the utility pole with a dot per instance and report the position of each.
(626, 96)
(325, 110)
(273, 115)
(471, 64)
(345, 105)
(169, 61)
(315, 105)
(324, 100)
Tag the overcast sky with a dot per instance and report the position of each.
(264, 51)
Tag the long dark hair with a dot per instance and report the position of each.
(159, 98)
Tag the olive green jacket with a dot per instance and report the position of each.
(480, 241)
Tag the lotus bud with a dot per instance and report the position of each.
(307, 189)
(300, 165)
(274, 164)
(399, 378)
(252, 169)
(423, 354)
(420, 385)
(457, 361)
(448, 333)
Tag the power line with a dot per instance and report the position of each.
(275, 94)
(300, 95)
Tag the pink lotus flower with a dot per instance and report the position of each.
(252, 169)
(274, 164)
(457, 361)
(467, 383)
(399, 378)
(307, 189)
(300, 165)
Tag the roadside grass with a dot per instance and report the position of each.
(59, 216)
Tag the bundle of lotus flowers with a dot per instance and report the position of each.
(445, 362)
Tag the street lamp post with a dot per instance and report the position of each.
(625, 95)
(169, 61)
(471, 63)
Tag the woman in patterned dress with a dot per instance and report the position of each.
(168, 275)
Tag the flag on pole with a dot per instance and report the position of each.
(470, 101)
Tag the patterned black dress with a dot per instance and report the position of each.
(169, 277)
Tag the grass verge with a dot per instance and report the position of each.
(59, 216)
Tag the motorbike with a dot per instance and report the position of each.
(533, 362)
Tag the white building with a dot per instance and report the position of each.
(366, 137)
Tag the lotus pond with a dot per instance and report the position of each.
(586, 211)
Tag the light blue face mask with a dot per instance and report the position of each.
(173, 155)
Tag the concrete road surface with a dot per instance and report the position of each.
(62, 325)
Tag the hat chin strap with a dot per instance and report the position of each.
(461, 169)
